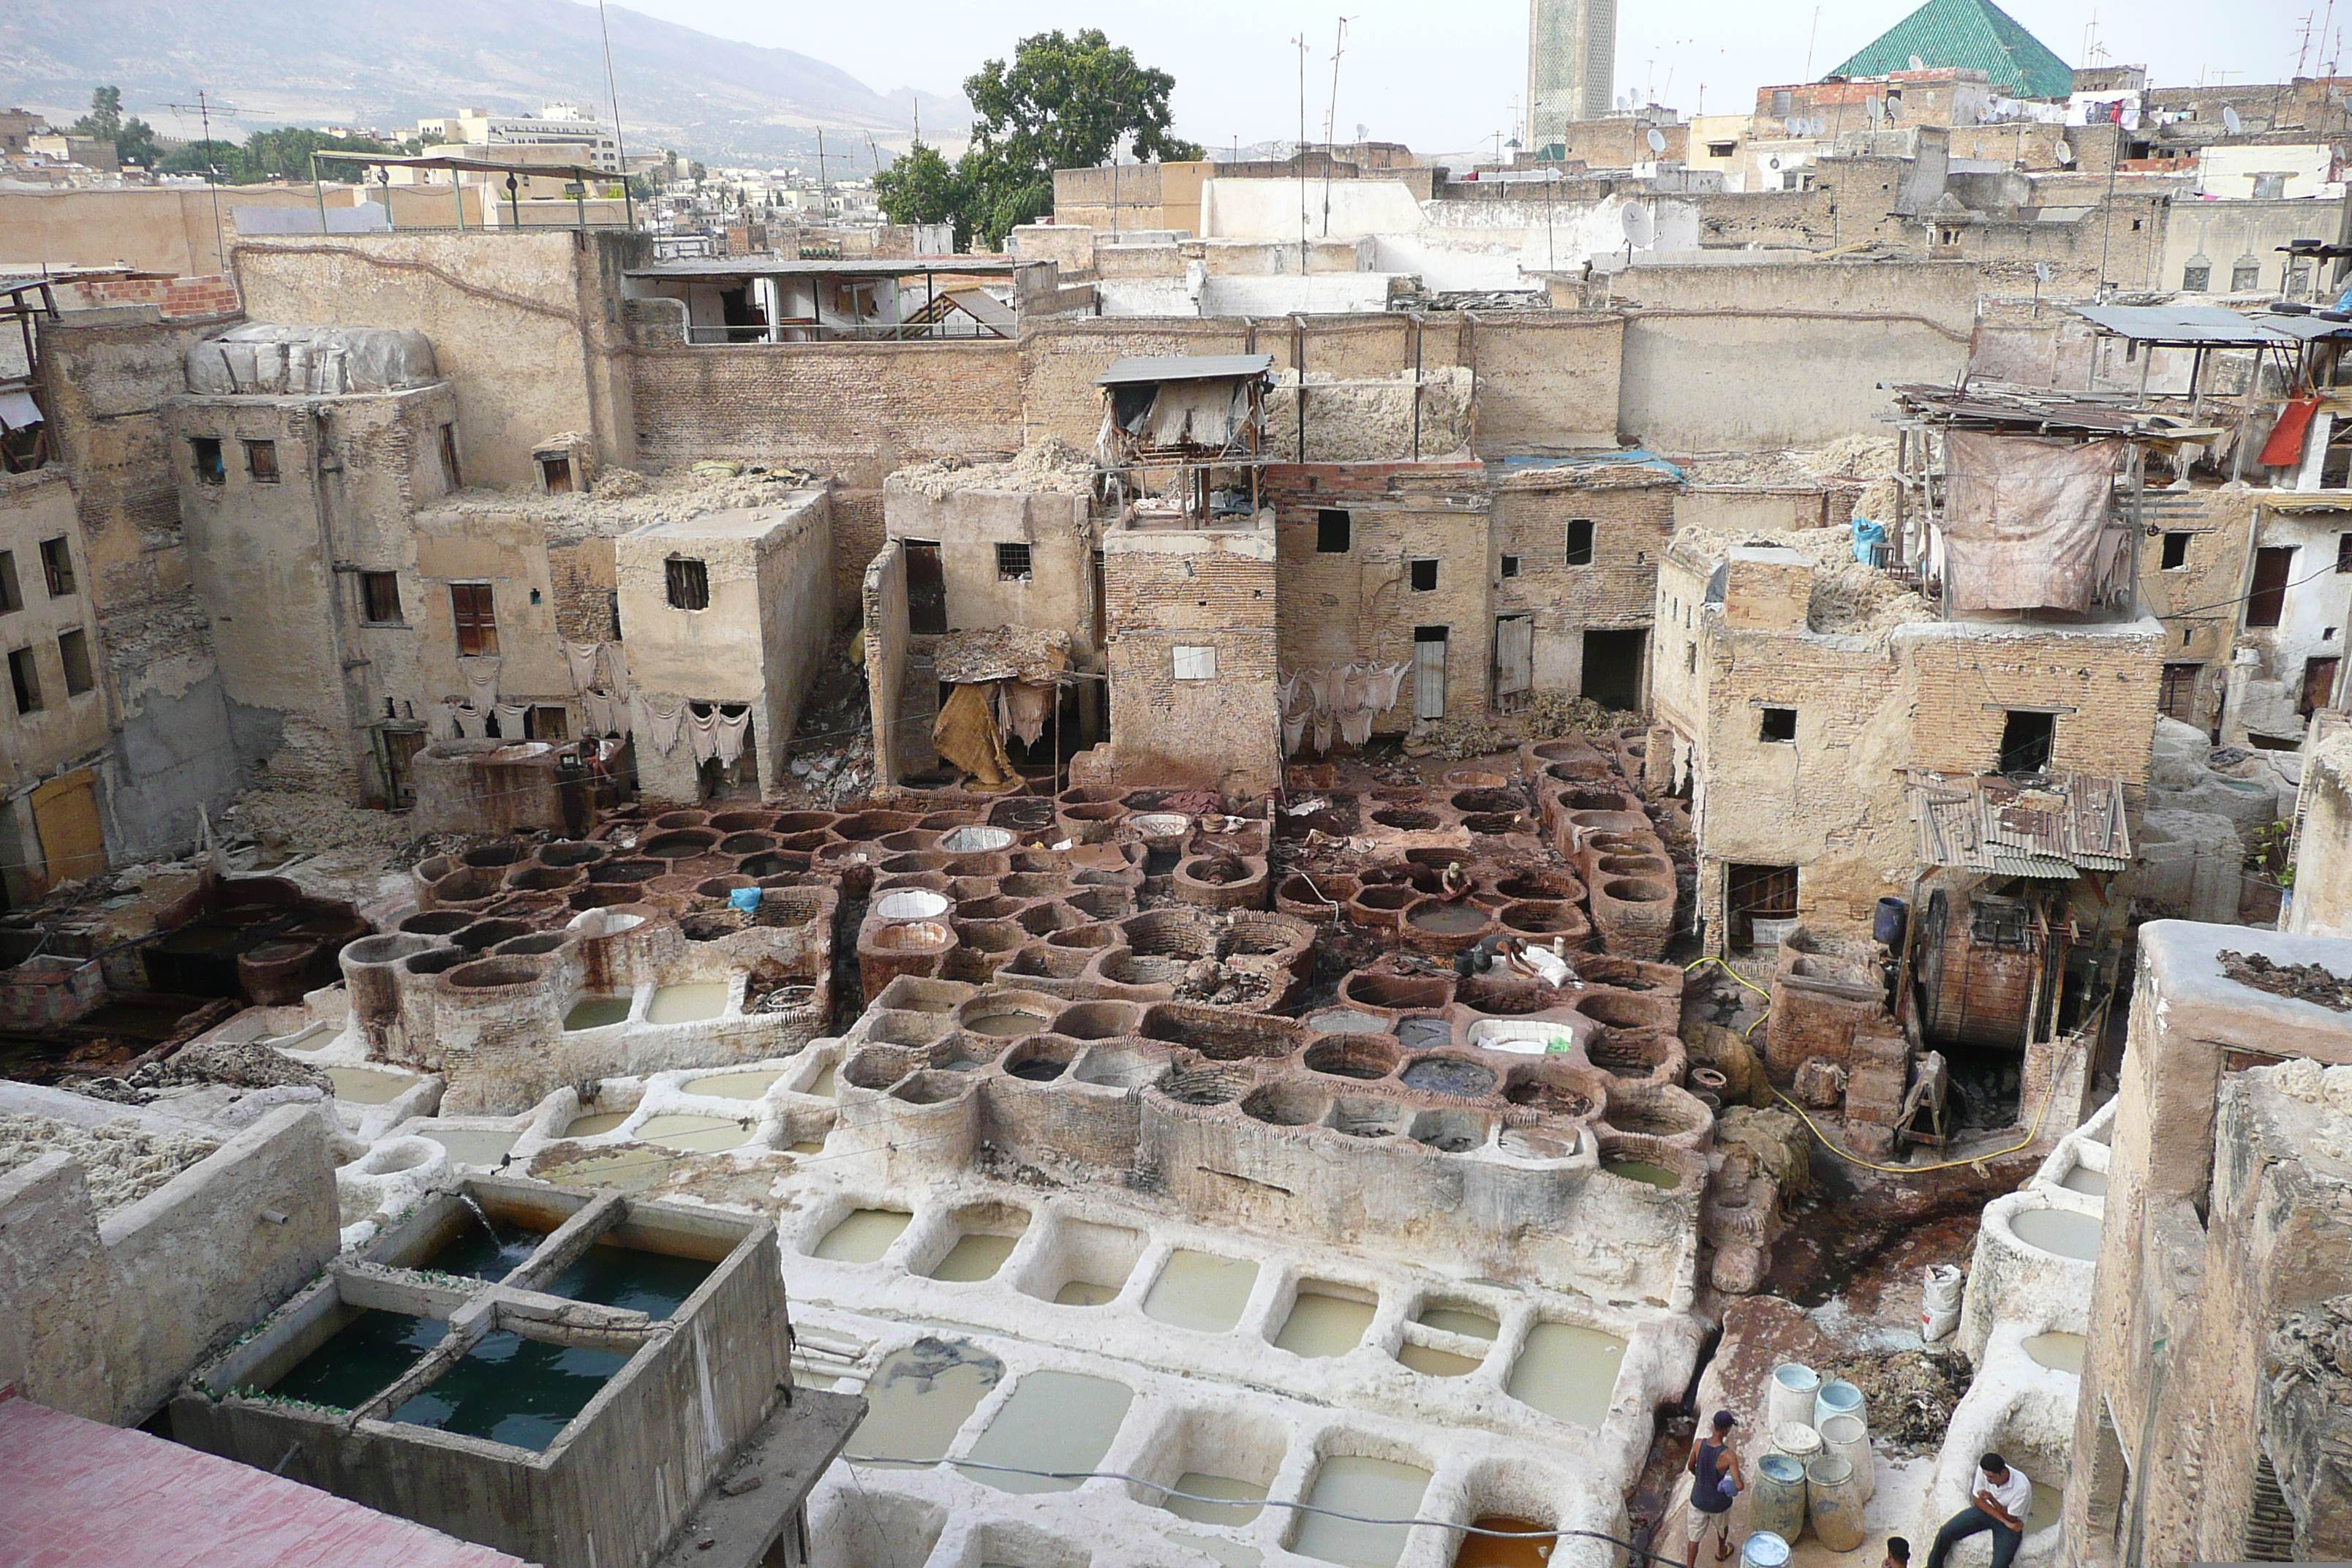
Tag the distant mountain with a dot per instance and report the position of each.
(371, 62)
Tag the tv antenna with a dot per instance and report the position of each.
(1331, 119)
(203, 110)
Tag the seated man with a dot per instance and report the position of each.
(2001, 1498)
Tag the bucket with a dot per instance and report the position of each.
(1776, 1502)
(1886, 925)
(1790, 1394)
(1836, 1398)
(1796, 1440)
(1763, 1549)
(1848, 1437)
(1834, 1498)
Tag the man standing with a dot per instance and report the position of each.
(2002, 1497)
(1715, 1482)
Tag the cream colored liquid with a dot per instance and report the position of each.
(1568, 1371)
(2084, 1180)
(686, 1004)
(473, 1145)
(2062, 1231)
(823, 1087)
(2058, 1351)
(975, 1257)
(1201, 1290)
(2047, 1503)
(1059, 1421)
(1433, 1363)
(733, 1085)
(695, 1134)
(1376, 1489)
(1086, 1293)
(1241, 1504)
(595, 1011)
(918, 1398)
(863, 1236)
(805, 1147)
(1230, 1554)
(362, 1086)
(595, 1121)
(1321, 1325)
(1460, 1320)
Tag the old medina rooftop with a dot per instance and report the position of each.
(648, 925)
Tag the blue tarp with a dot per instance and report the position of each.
(1867, 536)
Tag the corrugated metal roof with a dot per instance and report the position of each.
(1185, 367)
(2179, 324)
(849, 266)
(2052, 830)
(2309, 328)
(1966, 35)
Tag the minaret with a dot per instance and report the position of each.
(1572, 64)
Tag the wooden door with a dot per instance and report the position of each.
(474, 615)
(1515, 654)
(927, 590)
(65, 816)
(2318, 685)
(1428, 676)
(2267, 603)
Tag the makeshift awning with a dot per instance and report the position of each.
(2053, 829)
(2023, 520)
(1031, 654)
(18, 411)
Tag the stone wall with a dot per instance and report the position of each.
(967, 525)
(106, 1316)
(1633, 516)
(1166, 590)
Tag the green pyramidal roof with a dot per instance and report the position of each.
(1967, 34)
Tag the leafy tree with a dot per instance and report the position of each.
(1062, 104)
(205, 157)
(105, 116)
(136, 144)
(924, 187)
(697, 171)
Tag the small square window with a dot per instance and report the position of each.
(2176, 549)
(1012, 563)
(1424, 577)
(1196, 663)
(1579, 542)
(261, 461)
(2343, 553)
(57, 566)
(2267, 188)
(27, 681)
(1779, 724)
(73, 652)
(2026, 740)
(1690, 657)
(11, 596)
(2196, 278)
(1332, 531)
(1510, 565)
(555, 476)
(210, 468)
(2245, 276)
(687, 583)
(380, 597)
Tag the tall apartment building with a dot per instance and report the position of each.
(1571, 65)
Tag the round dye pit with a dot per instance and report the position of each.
(2061, 1232)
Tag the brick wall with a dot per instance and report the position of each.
(1959, 681)
(1163, 591)
(583, 582)
(855, 411)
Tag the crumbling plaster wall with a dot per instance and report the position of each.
(2199, 600)
(2225, 1211)
(525, 325)
(2266, 691)
(1359, 605)
(1632, 517)
(267, 556)
(1166, 590)
(2321, 902)
(1735, 356)
(968, 526)
(1960, 678)
(35, 509)
(109, 373)
(510, 552)
(884, 607)
(105, 1316)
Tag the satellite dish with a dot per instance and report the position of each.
(1895, 109)
(2064, 154)
(1917, 64)
(2042, 272)
(2230, 120)
(1876, 108)
(1641, 228)
(1775, 163)
(1657, 140)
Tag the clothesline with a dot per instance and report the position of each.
(1344, 698)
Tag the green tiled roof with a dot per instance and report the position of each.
(1969, 35)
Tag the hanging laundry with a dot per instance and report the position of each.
(480, 675)
(1294, 729)
(514, 721)
(616, 670)
(702, 734)
(471, 721)
(583, 658)
(731, 733)
(1322, 729)
(441, 721)
(1381, 684)
(664, 722)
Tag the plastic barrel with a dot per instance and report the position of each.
(1776, 1502)
(1848, 1437)
(1834, 1499)
(1764, 1550)
(1886, 925)
(1837, 1398)
(1796, 1440)
(1789, 1396)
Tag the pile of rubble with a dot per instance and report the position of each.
(1050, 467)
(1484, 734)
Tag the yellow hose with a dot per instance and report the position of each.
(2048, 1095)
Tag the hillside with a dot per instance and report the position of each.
(368, 62)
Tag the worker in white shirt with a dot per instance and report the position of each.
(2001, 1498)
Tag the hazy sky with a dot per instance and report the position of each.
(1445, 77)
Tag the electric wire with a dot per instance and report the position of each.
(1168, 1491)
